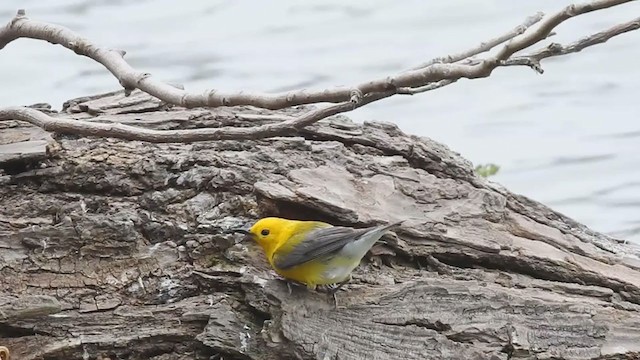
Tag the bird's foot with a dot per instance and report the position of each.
(333, 289)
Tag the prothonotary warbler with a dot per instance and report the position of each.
(313, 252)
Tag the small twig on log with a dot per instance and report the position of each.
(127, 132)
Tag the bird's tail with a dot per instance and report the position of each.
(384, 228)
(359, 247)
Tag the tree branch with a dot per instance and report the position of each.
(432, 75)
(130, 79)
(21, 26)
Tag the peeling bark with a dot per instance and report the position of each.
(113, 249)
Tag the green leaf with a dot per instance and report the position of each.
(486, 170)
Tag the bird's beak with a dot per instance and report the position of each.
(247, 234)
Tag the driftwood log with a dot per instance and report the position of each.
(112, 249)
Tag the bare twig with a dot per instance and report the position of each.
(533, 63)
(555, 49)
(465, 55)
(21, 26)
(425, 88)
(546, 26)
(485, 46)
(432, 75)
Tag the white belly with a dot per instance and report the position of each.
(338, 273)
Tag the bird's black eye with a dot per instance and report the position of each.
(264, 232)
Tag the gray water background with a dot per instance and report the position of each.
(568, 138)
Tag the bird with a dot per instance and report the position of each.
(313, 252)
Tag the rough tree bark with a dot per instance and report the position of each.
(112, 249)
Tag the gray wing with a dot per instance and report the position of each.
(317, 243)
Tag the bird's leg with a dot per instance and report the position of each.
(334, 289)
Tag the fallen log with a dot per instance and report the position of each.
(113, 249)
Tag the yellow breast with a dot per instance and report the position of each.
(318, 272)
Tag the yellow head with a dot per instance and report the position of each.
(267, 232)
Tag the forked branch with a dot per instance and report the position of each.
(431, 75)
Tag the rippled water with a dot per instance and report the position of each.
(569, 138)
